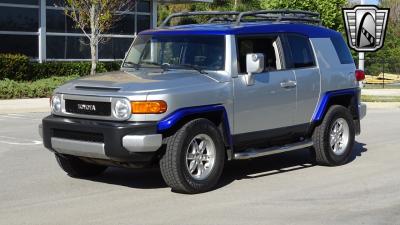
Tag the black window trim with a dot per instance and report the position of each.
(289, 53)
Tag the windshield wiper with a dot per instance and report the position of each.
(164, 66)
(131, 65)
(200, 70)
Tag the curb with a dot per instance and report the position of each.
(24, 105)
(381, 92)
(382, 105)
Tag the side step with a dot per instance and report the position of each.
(254, 153)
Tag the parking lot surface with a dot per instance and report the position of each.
(281, 189)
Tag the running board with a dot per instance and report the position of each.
(254, 153)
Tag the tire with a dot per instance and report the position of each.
(337, 150)
(75, 167)
(179, 165)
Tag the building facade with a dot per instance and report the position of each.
(40, 30)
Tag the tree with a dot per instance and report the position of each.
(330, 11)
(217, 5)
(94, 17)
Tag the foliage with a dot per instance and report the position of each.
(218, 5)
(49, 69)
(374, 98)
(37, 89)
(95, 17)
(330, 11)
(19, 67)
(387, 58)
(14, 66)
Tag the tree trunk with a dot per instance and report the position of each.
(93, 52)
(93, 39)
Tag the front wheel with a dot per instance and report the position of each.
(334, 137)
(194, 157)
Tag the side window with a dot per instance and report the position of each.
(342, 50)
(265, 45)
(301, 52)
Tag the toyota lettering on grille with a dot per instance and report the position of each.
(91, 108)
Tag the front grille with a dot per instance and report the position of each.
(78, 135)
(88, 107)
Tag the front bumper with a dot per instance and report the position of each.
(117, 141)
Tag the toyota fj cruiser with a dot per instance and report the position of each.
(190, 97)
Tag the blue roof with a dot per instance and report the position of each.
(311, 31)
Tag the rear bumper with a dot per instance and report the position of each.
(118, 141)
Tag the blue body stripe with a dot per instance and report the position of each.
(246, 28)
(176, 116)
(322, 107)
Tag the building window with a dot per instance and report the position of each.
(52, 2)
(126, 25)
(19, 44)
(58, 22)
(20, 23)
(25, 2)
(68, 47)
(114, 48)
(143, 22)
(19, 19)
(143, 6)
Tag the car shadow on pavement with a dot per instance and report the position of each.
(236, 170)
(276, 164)
(358, 150)
(149, 178)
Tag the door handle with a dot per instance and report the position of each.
(288, 84)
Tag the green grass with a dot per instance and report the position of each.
(379, 86)
(373, 98)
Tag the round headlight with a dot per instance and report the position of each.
(55, 104)
(122, 109)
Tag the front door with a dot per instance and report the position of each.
(271, 102)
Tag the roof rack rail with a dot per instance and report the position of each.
(282, 15)
(198, 13)
(261, 15)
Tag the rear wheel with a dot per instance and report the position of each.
(194, 157)
(334, 137)
(75, 167)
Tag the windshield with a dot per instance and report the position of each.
(177, 51)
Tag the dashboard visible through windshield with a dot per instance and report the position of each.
(198, 52)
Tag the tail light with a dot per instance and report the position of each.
(360, 75)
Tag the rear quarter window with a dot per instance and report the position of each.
(300, 51)
(342, 50)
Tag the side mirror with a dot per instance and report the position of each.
(254, 64)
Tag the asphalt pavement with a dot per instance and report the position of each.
(280, 189)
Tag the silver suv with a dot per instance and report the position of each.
(190, 97)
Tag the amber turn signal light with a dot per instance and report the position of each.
(148, 107)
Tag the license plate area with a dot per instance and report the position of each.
(88, 107)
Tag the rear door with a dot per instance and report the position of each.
(302, 62)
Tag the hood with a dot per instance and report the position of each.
(138, 82)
